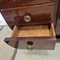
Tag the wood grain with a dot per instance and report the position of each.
(32, 31)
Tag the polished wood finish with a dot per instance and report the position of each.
(4, 4)
(36, 19)
(44, 7)
(39, 31)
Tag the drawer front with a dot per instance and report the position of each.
(30, 19)
(44, 43)
(37, 14)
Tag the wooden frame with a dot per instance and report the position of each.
(39, 31)
(33, 31)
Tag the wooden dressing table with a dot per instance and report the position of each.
(31, 22)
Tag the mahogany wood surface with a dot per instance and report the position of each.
(10, 9)
(18, 3)
(41, 13)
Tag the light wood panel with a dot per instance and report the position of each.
(32, 31)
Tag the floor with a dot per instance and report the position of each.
(9, 53)
(6, 51)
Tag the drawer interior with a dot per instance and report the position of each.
(33, 31)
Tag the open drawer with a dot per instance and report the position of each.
(33, 37)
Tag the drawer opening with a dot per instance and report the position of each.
(33, 31)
